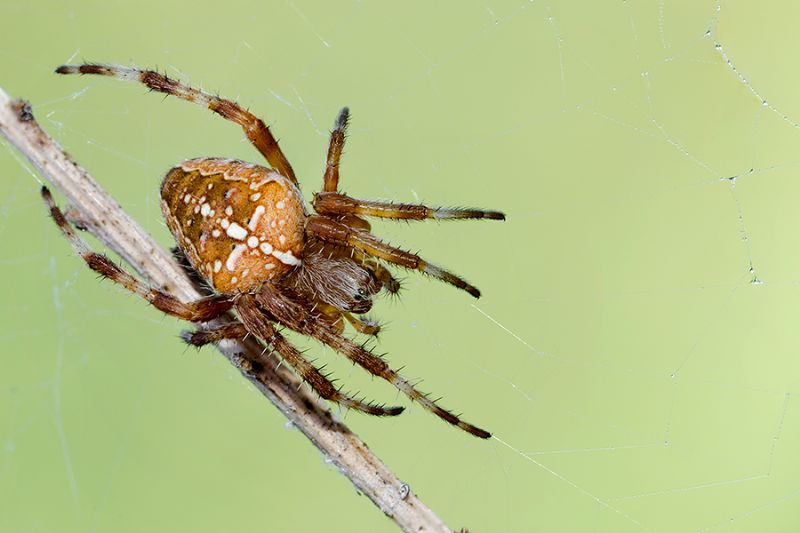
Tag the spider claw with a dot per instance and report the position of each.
(394, 411)
(342, 119)
(188, 337)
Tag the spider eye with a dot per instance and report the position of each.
(361, 295)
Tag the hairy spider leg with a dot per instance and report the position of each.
(332, 203)
(330, 181)
(200, 310)
(334, 232)
(257, 322)
(298, 315)
(329, 201)
(254, 128)
(201, 337)
(378, 367)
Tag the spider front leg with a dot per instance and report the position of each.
(257, 322)
(330, 181)
(334, 232)
(332, 203)
(201, 310)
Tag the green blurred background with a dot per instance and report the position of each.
(636, 350)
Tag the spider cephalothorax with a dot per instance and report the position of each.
(248, 235)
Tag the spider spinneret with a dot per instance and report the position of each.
(247, 233)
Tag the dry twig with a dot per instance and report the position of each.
(104, 218)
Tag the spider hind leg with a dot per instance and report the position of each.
(200, 310)
(257, 132)
(201, 337)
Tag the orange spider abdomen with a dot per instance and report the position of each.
(239, 224)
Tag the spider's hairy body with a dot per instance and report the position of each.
(245, 230)
(239, 224)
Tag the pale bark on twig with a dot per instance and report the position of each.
(104, 218)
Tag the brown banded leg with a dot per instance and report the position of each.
(298, 316)
(330, 181)
(201, 337)
(336, 233)
(333, 203)
(256, 321)
(378, 367)
(201, 310)
(254, 128)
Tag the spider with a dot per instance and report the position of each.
(248, 234)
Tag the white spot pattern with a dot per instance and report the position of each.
(235, 231)
(287, 258)
(256, 248)
(259, 210)
(230, 263)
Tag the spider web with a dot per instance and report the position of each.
(634, 354)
